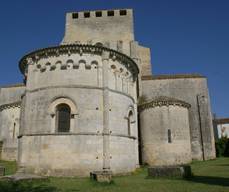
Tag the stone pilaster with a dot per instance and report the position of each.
(106, 109)
(206, 128)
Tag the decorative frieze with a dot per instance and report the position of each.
(78, 49)
(163, 101)
(10, 105)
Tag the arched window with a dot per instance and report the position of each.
(63, 117)
(129, 121)
(98, 44)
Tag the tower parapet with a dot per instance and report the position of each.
(103, 26)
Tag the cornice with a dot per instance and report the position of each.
(80, 49)
(221, 121)
(10, 105)
(175, 76)
(13, 85)
(163, 101)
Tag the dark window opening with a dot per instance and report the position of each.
(129, 121)
(14, 130)
(99, 44)
(75, 15)
(169, 136)
(63, 117)
(86, 14)
(1, 146)
(98, 13)
(110, 13)
(123, 12)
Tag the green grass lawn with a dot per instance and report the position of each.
(209, 176)
(10, 167)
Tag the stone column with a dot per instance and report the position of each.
(106, 106)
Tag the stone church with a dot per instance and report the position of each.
(93, 104)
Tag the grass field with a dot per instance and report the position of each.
(208, 176)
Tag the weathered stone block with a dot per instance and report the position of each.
(101, 176)
(2, 171)
(183, 171)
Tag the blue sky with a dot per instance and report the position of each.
(185, 36)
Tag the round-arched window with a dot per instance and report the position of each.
(63, 118)
(98, 44)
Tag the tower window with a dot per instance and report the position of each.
(169, 136)
(122, 12)
(86, 14)
(98, 13)
(110, 13)
(75, 15)
(63, 117)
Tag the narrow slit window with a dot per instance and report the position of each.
(169, 136)
(129, 121)
(14, 130)
(63, 115)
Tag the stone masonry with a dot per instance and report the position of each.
(92, 105)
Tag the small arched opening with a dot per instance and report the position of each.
(99, 44)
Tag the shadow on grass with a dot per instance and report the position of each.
(224, 165)
(9, 186)
(221, 181)
(102, 184)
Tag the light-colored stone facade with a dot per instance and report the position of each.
(165, 132)
(10, 104)
(100, 73)
(99, 85)
(194, 90)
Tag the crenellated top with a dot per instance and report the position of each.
(35, 56)
(101, 13)
(163, 101)
(10, 105)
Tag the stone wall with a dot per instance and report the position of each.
(10, 100)
(192, 89)
(11, 93)
(9, 130)
(111, 27)
(100, 89)
(145, 58)
(165, 133)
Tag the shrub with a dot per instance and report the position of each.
(226, 152)
(222, 147)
